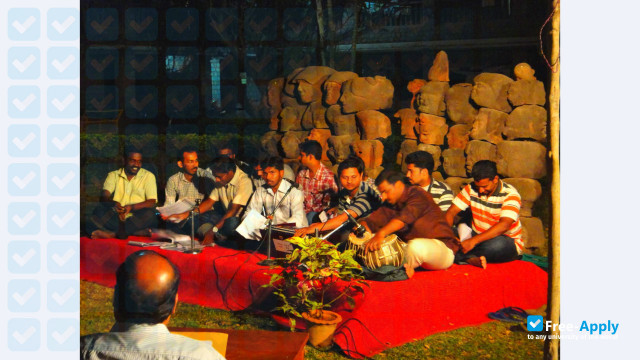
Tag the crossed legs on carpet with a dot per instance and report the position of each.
(497, 250)
(430, 254)
(105, 223)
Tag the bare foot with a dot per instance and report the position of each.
(208, 238)
(101, 234)
(478, 261)
(410, 270)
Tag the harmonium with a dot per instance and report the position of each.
(279, 233)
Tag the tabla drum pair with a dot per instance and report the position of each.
(392, 251)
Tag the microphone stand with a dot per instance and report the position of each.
(269, 261)
(193, 250)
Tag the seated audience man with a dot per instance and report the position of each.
(229, 150)
(191, 183)
(145, 298)
(411, 213)
(419, 172)
(316, 180)
(495, 209)
(257, 175)
(127, 202)
(278, 196)
(360, 198)
(228, 198)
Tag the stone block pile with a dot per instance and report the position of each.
(496, 118)
(338, 109)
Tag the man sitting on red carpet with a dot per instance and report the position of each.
(127, 201)
(495, 208)
(410, 212)
(360, 198)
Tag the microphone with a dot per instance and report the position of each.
(275, 208)
(359, 229)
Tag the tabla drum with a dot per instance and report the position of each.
(392, 251)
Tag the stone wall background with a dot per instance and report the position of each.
(496, 118)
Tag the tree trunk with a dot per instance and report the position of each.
(354, 37)
(332, 35)
(321, 40)
(552, 348)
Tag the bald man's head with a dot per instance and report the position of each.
(146, 288)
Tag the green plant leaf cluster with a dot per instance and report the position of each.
(314, 276)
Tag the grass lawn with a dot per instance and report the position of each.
(494, 340)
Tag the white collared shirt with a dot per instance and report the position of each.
(291, 210)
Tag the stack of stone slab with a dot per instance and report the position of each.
(495, 118)
(340, 110)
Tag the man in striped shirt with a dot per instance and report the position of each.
(361, 198)
(495, 208)
(419, 171)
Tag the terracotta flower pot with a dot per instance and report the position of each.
(321, 329)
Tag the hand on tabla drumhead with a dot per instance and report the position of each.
(374, 243)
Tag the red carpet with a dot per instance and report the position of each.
(390, 315)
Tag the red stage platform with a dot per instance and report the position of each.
(391, 314)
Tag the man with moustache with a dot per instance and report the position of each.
(410, 212)
(277, 196)
(495, 209)
(360, 198)
(127, 201)
(420, 172)
(316, 180)
(190, 183)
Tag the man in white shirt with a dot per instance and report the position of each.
(278, 198)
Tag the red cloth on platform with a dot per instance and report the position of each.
(391, 313)
(435, 301)
(219, 278)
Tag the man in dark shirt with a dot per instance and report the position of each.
(358, 197)
(411, 213)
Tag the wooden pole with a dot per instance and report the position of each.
(553, 345)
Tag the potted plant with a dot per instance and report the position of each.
(311, 280)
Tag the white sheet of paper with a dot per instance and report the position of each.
(250, 227)
(176, 208)
(323, 217)
(464, 231)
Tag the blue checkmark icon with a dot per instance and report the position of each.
(534, 322)
(23, 257)
(24, 179)
(24, 140)
(24, 63)
(63, 257)
(24, 24)
(63, 24)
(24, 334)
(63, 140)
